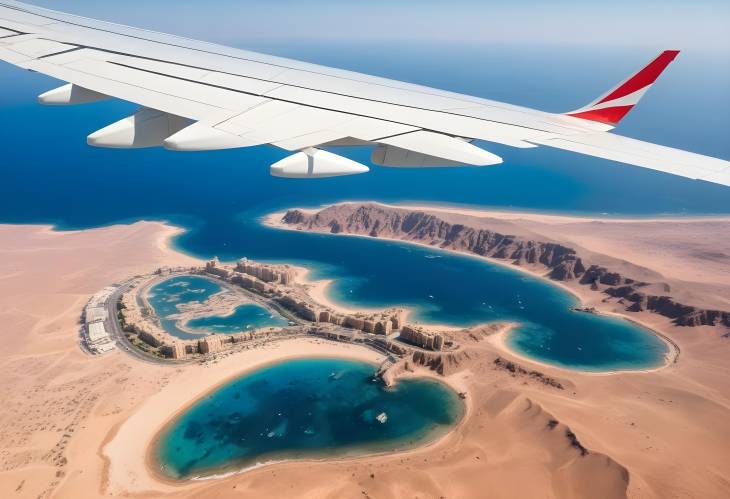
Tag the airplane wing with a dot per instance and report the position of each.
(200, 96)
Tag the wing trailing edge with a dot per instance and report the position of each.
(450, 149)
(644, 154)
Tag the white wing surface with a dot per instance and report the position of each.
(200, 96)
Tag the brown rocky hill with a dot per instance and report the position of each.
(504, 241)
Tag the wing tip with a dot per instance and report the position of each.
(613, 106)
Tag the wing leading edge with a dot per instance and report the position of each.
(199, 96)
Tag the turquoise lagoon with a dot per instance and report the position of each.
(165, 296)
(308, 408)
(244, 317)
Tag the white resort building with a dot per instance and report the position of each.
(95, 317)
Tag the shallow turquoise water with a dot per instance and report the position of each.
(165, 296)
(307, 408)
(243, 318)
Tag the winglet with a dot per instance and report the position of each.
(611, 107)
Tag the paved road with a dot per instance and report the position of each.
(123, 343)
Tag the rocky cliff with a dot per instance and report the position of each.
(558, 261)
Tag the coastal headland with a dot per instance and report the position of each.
(574, 252)
(574, 434)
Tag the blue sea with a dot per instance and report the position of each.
(310, 408)
(48, 174)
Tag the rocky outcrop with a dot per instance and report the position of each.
(560, 262)
(517, 370)
(418, 226)
(443, 363)
(602, 275)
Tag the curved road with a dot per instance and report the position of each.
(117, 334)
(123, 343)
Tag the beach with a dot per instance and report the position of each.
(136, 436)
(318, 289)
(75, 425)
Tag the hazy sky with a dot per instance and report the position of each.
(688, 25)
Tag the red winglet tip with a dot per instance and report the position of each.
(616, 104)
(643, 78)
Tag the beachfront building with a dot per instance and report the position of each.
(210, 344)
(97, 337)
(177, 351)
(95, 314)
(419, 337)
(281, 274)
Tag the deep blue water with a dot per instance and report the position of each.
(304, 408)
(218, 195)
(165, 296)
(445, 287)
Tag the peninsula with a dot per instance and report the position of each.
(615, 269)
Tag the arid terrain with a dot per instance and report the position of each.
(74, 425)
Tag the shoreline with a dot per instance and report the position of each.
(557, 217)
(318, 290)
(472, 209)
(512, 213)
(352, 454)
(272, 220)
(500, 342)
